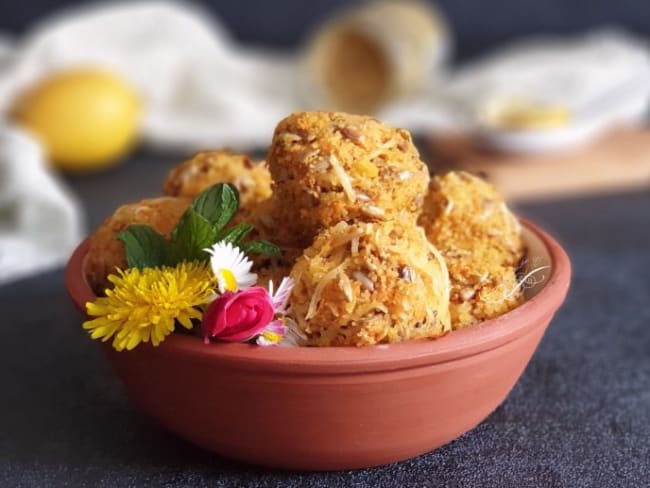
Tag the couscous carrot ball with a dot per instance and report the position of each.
(207, 168)
(480, 239)
(370, 283)
(329, 167)
(106, 252)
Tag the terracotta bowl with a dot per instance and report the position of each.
(338, 408)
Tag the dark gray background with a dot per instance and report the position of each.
(579, 416)
(479, 24)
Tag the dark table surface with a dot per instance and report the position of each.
(579, 416)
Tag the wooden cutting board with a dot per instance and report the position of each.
(617, 161)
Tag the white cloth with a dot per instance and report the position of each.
(200, 90)
(40, 222)
(602, 78)
(573, 71)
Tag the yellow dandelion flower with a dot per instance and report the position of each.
(144, 304)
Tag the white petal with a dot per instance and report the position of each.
(281, 296)
(247, 280)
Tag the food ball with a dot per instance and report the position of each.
(480, 239)
(370, 283)
(208, 168)
(269, 226)
(329, 167)
(462, 212)
(106, 252)
(481, 289)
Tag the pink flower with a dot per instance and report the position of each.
(238, 317)
(272, 334)
(281, 297)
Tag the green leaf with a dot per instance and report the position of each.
(235, 234)
(144, 247)
(218, 204)
(261, 247)
(190, 237)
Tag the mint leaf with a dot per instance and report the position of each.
(261, 247)
(190, 237)
(218, 204)
(235, 234)
(144, 247)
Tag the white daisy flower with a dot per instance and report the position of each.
(231, 267)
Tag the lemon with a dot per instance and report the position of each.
(86, 118)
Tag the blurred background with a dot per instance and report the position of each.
(478, 27)
(98, 100)
(547, 99)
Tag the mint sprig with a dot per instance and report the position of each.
(145, 248)
(203, 224)
(235, 234)
(218, 205)
(192, 234)
(260, 247)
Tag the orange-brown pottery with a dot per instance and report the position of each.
(338, 407)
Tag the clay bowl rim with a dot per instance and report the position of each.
(458, 344)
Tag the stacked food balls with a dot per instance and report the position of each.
(378, 253)
(480, 239)
(350, 189)
(106, 251)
